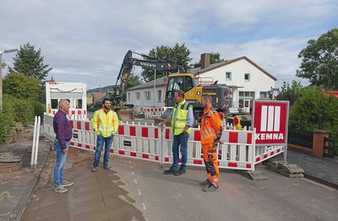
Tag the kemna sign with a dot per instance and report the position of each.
(270, 118)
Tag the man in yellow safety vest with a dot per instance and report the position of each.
(181, 123)
(105, 124)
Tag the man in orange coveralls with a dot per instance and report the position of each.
(211, 130)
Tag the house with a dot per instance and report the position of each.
(149, 94)
(248, 80)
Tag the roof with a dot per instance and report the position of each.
(199, 70)
(159, 83)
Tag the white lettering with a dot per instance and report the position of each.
(270, 136)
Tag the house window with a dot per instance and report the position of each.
(159, 96)
(246, 103)
(147, 95)
(241, 93)
(54, 103)
(263, 94)
(247, 77)
(228, 76)
(79, 103)
(138, 95)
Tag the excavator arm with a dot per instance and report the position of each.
(145, 62)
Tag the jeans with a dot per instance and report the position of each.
(107, 142)
(58, 178)
(180, 143)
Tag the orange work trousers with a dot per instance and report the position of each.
(210, 158)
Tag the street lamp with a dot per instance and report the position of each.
(1, 53)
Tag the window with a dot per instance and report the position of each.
(159, 96)
(241, 93)
(263, 94)
(79, 103)
(147, 95)
(247, 94)
(228, 76)
(138, 95)
(54, 103)
(247, 77)
(246, 103)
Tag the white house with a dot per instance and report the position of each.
(253, 81)
(248, 80)
(146, 95)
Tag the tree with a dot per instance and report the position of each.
(21, 86)
(133, 81)
(177, 55)
(290, 92)
(29, 61)
(320, 61)
(215, 58)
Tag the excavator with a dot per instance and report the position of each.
(177, 79)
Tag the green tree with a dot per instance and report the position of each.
(320, 61)
(177, 55)
(21, 86)
(314, 110)
(215, 58)
(133, 80)
(30, 62)
(290, 92)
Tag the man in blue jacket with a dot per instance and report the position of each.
(63, 132)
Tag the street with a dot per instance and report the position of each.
(137, 190)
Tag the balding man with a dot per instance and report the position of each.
(63, 132)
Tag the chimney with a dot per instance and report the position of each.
(205, 60)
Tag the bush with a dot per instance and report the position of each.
(21, 109)
(6, 122)
(314, 110)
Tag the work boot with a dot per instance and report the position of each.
(210, 188)
(170, 171)
(205, 182)
(181, 171)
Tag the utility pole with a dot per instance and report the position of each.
(1, 53)
(155, 87)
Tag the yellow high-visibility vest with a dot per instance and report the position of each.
(105, 124)
(179, 118)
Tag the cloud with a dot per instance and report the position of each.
(86, 40)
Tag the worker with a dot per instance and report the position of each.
(236, 122)
(211, 130)
(105, 123)
(182, 119)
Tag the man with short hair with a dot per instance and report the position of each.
(182, 120)
(63, 132)
(105, 123)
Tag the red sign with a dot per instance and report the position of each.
(270, 118)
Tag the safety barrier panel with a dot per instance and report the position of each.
(148, 142)
(150, 112)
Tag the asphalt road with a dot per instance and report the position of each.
(137, 190)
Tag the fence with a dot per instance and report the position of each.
(153, 143)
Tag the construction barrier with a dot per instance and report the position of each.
(151, 112)
(148, 142)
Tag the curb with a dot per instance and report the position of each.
(321, 181)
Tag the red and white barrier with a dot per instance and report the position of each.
(151, 112)
(148, 142)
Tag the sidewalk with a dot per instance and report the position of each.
(324, 170)
(16, 186)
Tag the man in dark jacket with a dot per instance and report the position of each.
(63, 132)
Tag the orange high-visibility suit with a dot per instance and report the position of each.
(211, 130)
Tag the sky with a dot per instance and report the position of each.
(85, 40)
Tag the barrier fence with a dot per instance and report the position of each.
(149, 142)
